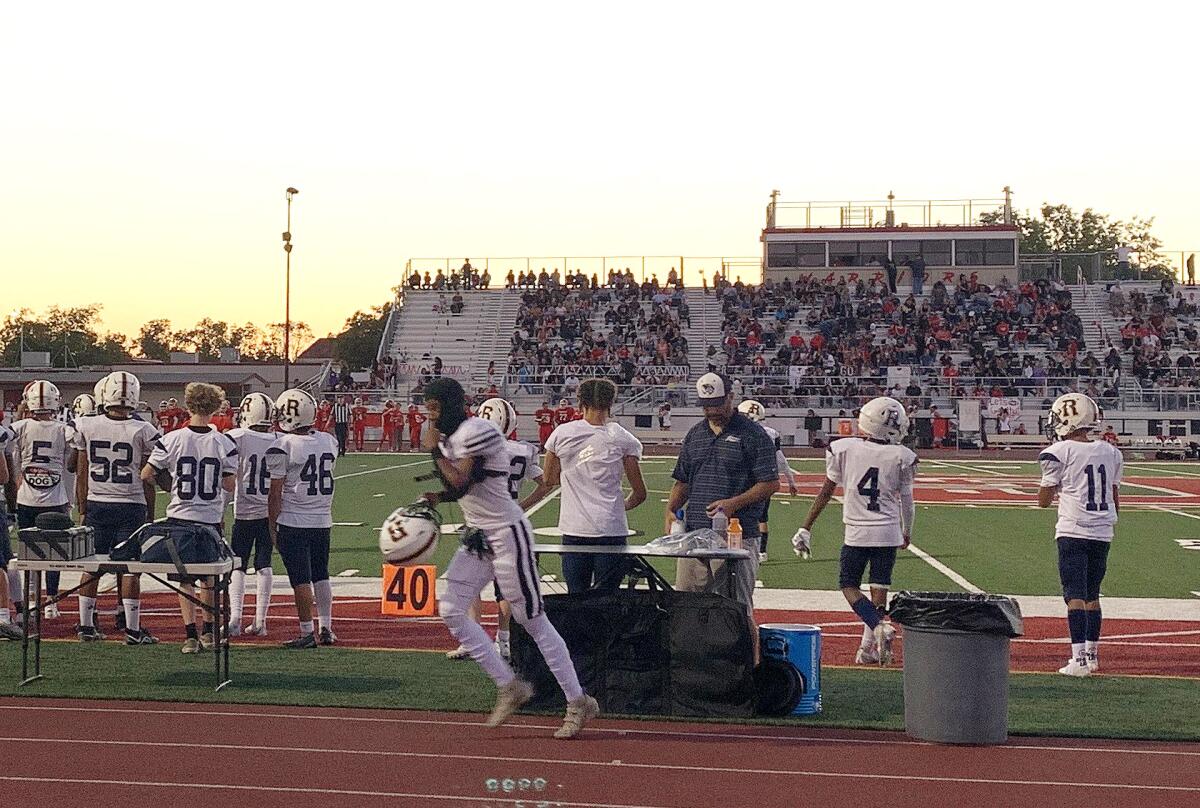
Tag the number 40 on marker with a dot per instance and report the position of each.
(409, 591)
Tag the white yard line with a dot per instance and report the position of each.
(1174, 472)
(1164, 509)
(944, 570)
(376, 471)
(972, 469)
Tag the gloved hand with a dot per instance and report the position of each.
(802, 543)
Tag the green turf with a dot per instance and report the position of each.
(999, 549)
(1040, 704)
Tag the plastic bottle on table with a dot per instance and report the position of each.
(720, 523)
(677, 523)
(734, 538)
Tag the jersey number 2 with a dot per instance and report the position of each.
(868, 488)
(519, 464)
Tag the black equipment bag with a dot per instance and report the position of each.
(177, 543)
(647, 652)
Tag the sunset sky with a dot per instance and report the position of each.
(147, 146)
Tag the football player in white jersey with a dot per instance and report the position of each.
(757, 413)
(523, 460)
(44, 454)
(8, 631)
(876, 474)
(300, 510)
(197, 465)
(472, 459)
(254, 435)
(1086, 475)
(110, 495)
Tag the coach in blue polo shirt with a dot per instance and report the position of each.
(726, 461)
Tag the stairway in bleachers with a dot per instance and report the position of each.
(466, 342)
(705, 329)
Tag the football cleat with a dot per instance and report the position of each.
(327, 637)
(579, 712)
(802, 543)
(142, 637)
(255, 630)
(190, 646)
(301, 642)
(88, 634)
(10, 632)
(458, 653)
(866, 656)
(884, 634)
(234, 629)
(1093, 661)
(510, 698)
(51, 612)
(1075, 667)
(762, 557)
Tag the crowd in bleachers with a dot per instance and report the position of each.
(628, 332)
(1159, 331)
(833, 342)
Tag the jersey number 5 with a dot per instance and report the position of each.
(868, 488)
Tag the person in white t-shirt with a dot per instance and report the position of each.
(197, 465)
(589, 458)
(876, 475)
(1086, 475)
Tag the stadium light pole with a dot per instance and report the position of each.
(287, 292)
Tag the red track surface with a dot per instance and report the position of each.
(1130, 647)
(136, 754)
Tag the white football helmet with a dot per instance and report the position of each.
(295, 409)
(500, 413)
(120, 389)
(1072, 412)
(753, 410)
(83, 405)
(42, 396)
(96, 390)
(256, 409)
(883, 419)
(410, 534)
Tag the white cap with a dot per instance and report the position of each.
(711, 389)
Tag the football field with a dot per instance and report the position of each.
(978, 527)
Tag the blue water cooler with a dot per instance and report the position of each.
(800, 647)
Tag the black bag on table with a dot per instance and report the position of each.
(170, 542)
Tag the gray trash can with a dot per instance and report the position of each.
(956, 657)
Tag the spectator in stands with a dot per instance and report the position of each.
(812, 426)
(889, 267)
(917, 266)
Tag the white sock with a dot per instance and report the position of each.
(868, 638)
(472, 637)
(237, 597)
(323, 595)
(262, 597)
(87, 611)
(15, 593)
(5, 615)
(306, 627)
(1092, 647)
(502, 635)
(554, 651)
(1077, 650)
(133, 614)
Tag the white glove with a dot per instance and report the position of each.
(802, 543)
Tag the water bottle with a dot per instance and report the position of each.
(735, 534)
(677, 523)
(720, 523)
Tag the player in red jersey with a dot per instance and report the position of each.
(415, 419)
(388, 440)
(544, 418)
(222, 419)
(563, 413)
(358, 423)
(324, 420)
(176, 417)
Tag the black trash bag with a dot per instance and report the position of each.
(646, 652)
(979, 614)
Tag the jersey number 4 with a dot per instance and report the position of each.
(868, 488)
